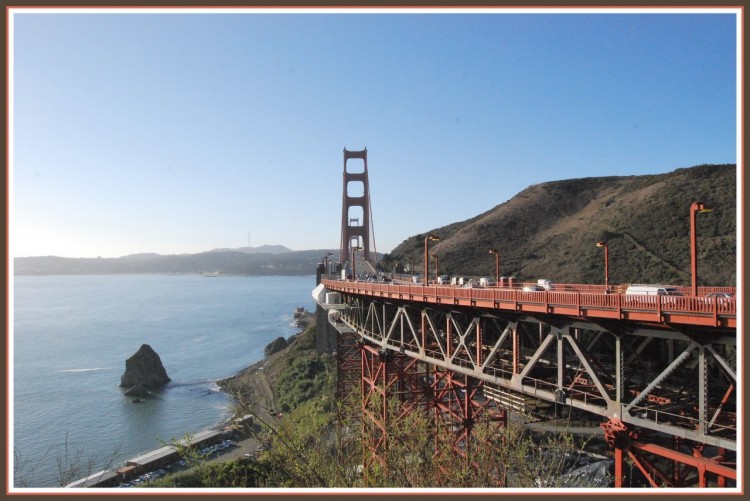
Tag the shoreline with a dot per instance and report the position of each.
(252, 378)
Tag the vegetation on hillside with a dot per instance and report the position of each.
(306, 375)
(550, 230)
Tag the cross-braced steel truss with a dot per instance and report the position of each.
(348, 362)
(393, 386)
(673, 382)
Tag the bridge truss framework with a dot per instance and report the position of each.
(666, 394)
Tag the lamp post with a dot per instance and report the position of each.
(606, 262)
(354, 260)
(497, 266)
(434, 256)
(325, 258)
(695, 208)
(427, 257)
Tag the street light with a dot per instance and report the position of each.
(354, 260)
(695, 208)
(326, 261)
(427, 257)
(606, 262)
(497, 266)
(436, 266)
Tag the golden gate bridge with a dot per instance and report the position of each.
(658, 371)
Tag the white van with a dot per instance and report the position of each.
(652, 290)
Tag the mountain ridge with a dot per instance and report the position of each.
(230, 262)
(551, 229)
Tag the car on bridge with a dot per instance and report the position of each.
(652, 290)
(719, 297)
(532, 288)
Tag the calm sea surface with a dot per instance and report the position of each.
(71, 337)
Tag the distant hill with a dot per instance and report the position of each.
(263, 249)
(234, 262)
(550, 230)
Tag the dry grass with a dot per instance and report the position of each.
(550, 230)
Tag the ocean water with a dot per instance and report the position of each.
(71, 336)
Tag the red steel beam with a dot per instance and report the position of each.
(656, 309)
(702, 463)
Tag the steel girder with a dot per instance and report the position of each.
(678, 383)
(458, 405)
(394, 385)
(684, 464)
(390, 390)
(348, 372)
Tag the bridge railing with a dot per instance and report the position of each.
(554, 297)
(511, 298)
(562, 287)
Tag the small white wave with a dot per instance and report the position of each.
(87, 370)
(214, 386)
(202, 382)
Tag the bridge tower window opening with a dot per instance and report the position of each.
(355, 189)
(355, 162)
(356, 217)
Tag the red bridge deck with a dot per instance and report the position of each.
(683, 310)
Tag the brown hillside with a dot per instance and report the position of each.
(550, 230)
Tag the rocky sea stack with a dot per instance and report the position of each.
(143, 372)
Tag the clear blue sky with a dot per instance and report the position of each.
(179, 133)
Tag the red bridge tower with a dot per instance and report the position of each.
(356, 221)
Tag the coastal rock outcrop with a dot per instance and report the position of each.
(143, 372)
(276, 345)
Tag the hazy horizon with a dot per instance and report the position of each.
(213, 249)
(158, 130)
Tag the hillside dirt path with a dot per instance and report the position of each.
(640, 247)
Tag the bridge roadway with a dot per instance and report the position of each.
(664, 364)
(567, 300)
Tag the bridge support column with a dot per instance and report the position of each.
(458, 407)
(393, 386)
(390, 390)
(348, 376)
(515, 353)
(560, 397)
(618, 467)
